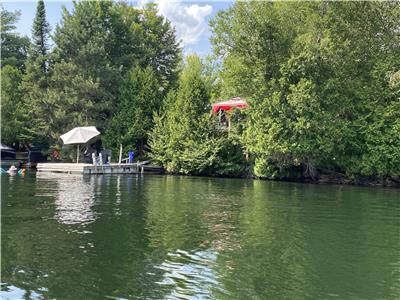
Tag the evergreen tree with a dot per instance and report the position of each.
(140, 98)
(161, 50)
(37, 108)
(102, 41)
(95, 46)
(182, 139)
(314, 74)
(40, 34)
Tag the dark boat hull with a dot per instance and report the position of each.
(8, 154)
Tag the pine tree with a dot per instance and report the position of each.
(36, 106)
(40, 34)
(183, 137)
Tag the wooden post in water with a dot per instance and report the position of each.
(120, 154)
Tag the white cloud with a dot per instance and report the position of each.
(189, 20)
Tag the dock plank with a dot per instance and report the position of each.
(90, 169)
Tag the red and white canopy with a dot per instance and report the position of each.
(235, 102)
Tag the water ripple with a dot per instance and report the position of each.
(190, 275)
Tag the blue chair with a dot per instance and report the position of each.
(131, 156)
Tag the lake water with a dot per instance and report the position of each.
(165, 237)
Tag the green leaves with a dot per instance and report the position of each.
(120, 59)
(319, 77)
(37, 108)
(179, 139)
(382, 156)
(87, 78)
(14, 48)
(140, 97)
(11, 112)
(186, 139)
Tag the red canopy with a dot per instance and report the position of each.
(235, 102)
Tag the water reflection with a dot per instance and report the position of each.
(160, 237)
(10, 292)
(75, 196)
(190, 275)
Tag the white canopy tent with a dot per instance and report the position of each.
(79, 135)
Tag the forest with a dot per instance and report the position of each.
(322, 80)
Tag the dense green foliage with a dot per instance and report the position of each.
(13, 47)
(181, 139)
(321, 78)
(185, 138)
(141, 96)
(10, 104)
(101, 42)
(82, 80)
(37, 112)
(317, 76)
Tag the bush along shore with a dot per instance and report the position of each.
(322, 80)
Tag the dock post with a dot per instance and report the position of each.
(29, 159)
(120, 154)
(94, 162)
(101, 162)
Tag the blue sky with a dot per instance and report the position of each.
(190, 18)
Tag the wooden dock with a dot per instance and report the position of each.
(89, 169)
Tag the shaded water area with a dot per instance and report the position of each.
(165, 237)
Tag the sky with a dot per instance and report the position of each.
(190, 18)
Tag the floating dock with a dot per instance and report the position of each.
(89, 169)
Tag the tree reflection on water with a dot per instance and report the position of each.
(162, 237)
(75, 197)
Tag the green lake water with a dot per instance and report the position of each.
(165, 237)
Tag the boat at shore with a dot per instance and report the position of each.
(7, 153)
(30, 158)
(8, 156)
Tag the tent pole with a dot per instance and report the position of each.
(77, 155)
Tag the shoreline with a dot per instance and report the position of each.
(361, 181)
(323, 179)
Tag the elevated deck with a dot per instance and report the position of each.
(89, 169)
